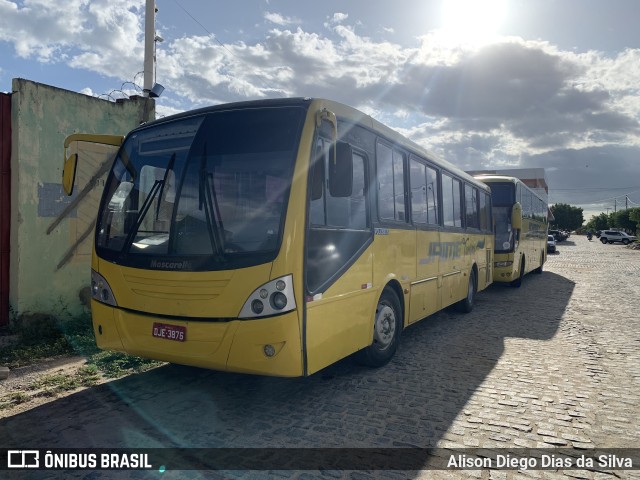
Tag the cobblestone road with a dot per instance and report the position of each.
(554, 364)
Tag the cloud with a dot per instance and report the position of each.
(504, 104)
(105, 36)
(513, 102)
(279, 19)
(338, 18)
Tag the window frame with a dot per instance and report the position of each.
(454, 178)
(395, 222)
(427, 166)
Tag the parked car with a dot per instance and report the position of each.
(559, 235)
(551, 244)
(611, 236)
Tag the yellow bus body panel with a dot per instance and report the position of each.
(341, 322)
(425, 289)
(216, 294)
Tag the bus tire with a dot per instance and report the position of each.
(386, 331)
(518, 281)
(466, 304)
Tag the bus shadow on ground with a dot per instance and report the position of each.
(411, 402)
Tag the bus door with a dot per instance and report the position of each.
(338, 261)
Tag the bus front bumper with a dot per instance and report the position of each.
(266, 346)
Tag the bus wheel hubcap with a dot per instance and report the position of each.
(385, 326)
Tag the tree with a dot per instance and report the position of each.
(567, 217)
(622, 221)
(600, 222)
(634, 215)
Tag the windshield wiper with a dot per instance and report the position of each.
(141, 214)
(207, 198)
(164, 181)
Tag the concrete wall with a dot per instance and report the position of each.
(51, 249)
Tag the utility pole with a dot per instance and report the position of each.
(149, 46)
(626, 202)
(608, 208)
(615, 205)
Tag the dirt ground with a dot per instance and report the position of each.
(23, 381)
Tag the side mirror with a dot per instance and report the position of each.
(69, 173)
(341, 171)
(70, 164)
(516, 216)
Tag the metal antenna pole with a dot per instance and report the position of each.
(149, 46)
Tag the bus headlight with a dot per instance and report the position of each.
(279, 293)
(503, 264)
(257, 306)
(278, 300)
(101, 291)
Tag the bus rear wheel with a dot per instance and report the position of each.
(466, 304)
(386, 331)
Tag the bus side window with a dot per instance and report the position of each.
(391, 189)
(345, 212)
(432, 196)
(317, 205)
(350, 212)
(471, 206)
(451, 201)
(418, 182)
(485, 212)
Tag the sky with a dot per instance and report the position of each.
(485, 84)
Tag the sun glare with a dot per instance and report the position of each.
(472, 21)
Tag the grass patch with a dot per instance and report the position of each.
(116, 364)
(42, 336)
(12, 399)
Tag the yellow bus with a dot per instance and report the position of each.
(521, 226)
(276, 237)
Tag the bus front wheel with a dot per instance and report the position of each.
(386, 331)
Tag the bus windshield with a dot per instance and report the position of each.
(502, 194)
(205, 192)
(503, 198)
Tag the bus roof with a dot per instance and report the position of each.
(342, 111)
(497, 178)
(492, 178)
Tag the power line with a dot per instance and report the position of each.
(616, 197)
(591, 189)
(204, 28)
(214, 37)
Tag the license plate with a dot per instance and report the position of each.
(170, 332)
